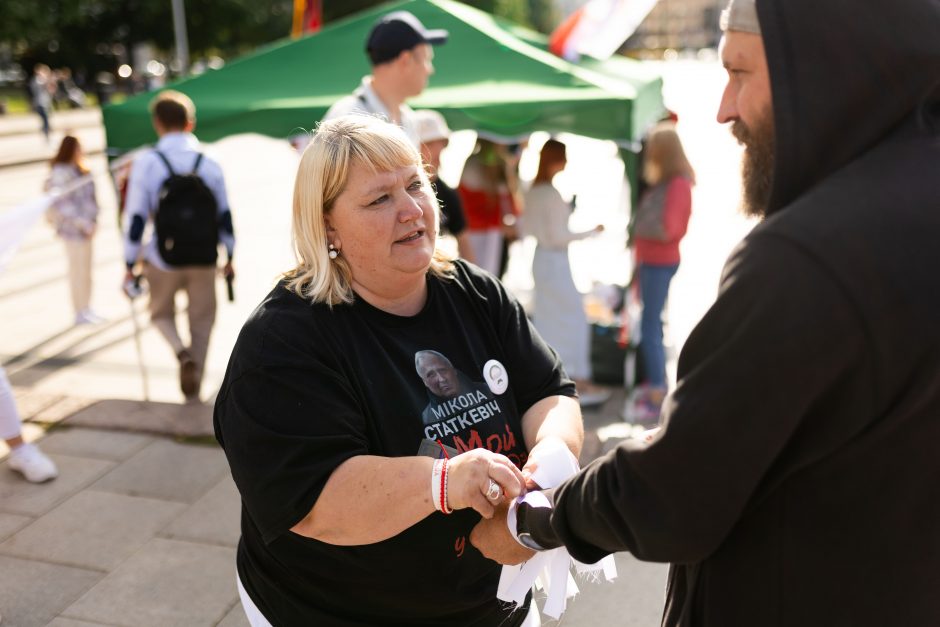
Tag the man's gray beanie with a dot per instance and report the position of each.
(740, 15)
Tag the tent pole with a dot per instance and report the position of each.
(182, 40)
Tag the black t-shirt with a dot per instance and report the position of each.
(308, 387)
(452, 218)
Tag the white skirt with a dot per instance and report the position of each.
(559, 311)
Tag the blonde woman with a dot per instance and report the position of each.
(378, 402)
(74, 215)
(660, 223)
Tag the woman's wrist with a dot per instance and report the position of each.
(439, 486)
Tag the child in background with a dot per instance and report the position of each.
(74, 216)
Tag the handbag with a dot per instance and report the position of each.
(649, 219)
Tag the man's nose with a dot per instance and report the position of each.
(727, 108)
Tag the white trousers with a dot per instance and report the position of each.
(9, 416)
(255, 617)
(78, 252)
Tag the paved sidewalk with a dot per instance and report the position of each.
(141, 526)
(22, 143)
(138, 529)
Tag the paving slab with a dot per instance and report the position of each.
(11, 523)
(235, 618)
(633, 599)
(187, 420)
(62, 409)
(33, 593)
(167, 470)
(93, 530)
(18, 496)
(68, 622)
(98, 443)
(166, 583)
(215, 518)
(29, 402)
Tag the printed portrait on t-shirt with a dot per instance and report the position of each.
(450, 391)
(462, 414)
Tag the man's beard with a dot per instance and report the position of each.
(757, 165)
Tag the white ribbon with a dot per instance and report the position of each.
(14, 224)
(549, 570)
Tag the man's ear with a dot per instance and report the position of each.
(190, 125)
(404, 58)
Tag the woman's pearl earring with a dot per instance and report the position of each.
(333, 252)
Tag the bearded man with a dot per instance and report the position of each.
(795, 479)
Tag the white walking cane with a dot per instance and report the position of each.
(133, 289)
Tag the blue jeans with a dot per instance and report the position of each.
(654, 287)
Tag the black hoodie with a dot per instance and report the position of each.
(797, 479)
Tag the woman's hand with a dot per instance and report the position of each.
(468, 481)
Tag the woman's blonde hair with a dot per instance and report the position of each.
(665, 158)
(324, 170)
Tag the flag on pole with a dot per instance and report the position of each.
(308, 17)
(313, 16)
(598, 28)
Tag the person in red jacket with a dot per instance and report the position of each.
(661, 221)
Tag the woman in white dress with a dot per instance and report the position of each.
(559, 308)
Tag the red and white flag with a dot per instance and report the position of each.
(599, 28)
(308, 17)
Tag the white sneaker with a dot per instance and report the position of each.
(32, 463)
(87, 316)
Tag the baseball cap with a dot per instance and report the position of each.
(431, 125)
(396, 32)
(740, 15)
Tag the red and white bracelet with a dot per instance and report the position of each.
(439, 486)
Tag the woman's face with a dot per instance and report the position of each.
(384, 225)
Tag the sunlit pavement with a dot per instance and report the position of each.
(114, 447)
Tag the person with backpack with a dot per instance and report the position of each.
(182, 193)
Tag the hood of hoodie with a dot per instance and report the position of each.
(844, 74)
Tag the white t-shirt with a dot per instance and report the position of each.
(365, 101)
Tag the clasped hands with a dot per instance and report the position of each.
(470, 479)
(491, 535)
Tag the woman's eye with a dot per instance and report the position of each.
(379, 200)
(415, 185)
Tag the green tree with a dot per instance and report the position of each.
(94, 35)
(89, 35)
(538, 14)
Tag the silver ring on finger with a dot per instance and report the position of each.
(493, 491)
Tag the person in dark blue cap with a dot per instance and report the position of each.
(400, 51)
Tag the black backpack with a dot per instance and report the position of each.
(187, 221)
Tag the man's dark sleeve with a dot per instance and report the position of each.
(779, 343)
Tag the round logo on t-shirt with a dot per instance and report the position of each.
(496, 377)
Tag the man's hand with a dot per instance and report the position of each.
(492, 538)
(131, 285)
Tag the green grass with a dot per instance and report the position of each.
(16, 102)
(15, 99)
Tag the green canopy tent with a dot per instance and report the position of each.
(491, 76)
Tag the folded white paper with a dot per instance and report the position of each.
(549, 570)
